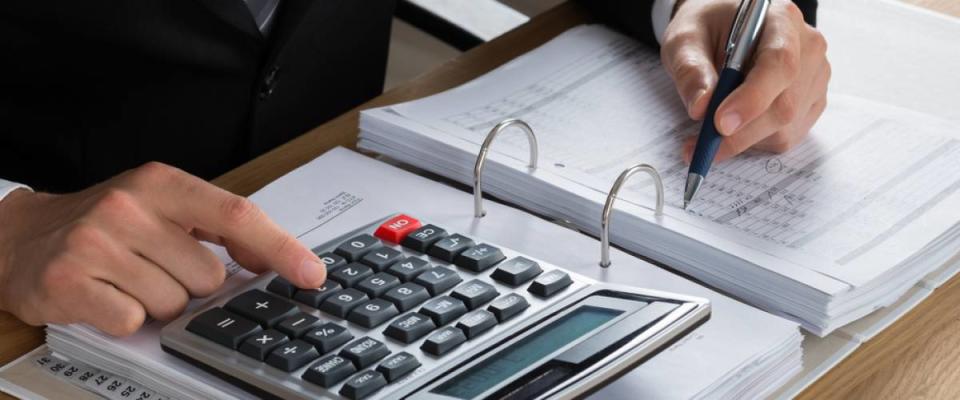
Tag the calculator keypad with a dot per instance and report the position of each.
(410, 287)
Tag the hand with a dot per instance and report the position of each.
(111, 254)
(785, 90)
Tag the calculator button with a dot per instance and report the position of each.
(362, 385)
(508, 306)
(328, 336)
(443, 340)
(292, 355)
(476, 322)
(479, 257)
(329, 371)
(260, 344)
(443, 309)
(332, 261)
(516, 271)
(298, 324)
(281, 287)
(408, 268)
(381, 258)
(342, 302)
(397, 228)
(350, 274)
(378, 284)
(548, 284)
(373, 313)
(475, 293)
(421, 239)
(223, 327)
(315, 297)
(398, 365)
(354, 248)
(365, 351)
(448, 248)
(438, 279)
(410, 327)
(263, 308)
(407, 296)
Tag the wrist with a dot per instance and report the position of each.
(11, 212)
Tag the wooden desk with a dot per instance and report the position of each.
(919, 356)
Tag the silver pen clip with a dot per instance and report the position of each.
(745, 31)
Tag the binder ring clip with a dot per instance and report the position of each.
(478, 211)
(608, 206)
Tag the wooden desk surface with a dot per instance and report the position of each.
(917, 357)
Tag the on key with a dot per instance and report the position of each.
(479, 257)
(329, 371)
(365, 351)
(263, 308)
(223, 327)
(421, 239)
(397, 228)
(356, 247)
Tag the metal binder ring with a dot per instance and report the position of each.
(608, 207)
(478, 211)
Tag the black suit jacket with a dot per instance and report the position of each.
(91, 88)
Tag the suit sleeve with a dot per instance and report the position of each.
(645, 20)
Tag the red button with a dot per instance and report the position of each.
(397, 228)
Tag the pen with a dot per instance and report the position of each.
(743, 37)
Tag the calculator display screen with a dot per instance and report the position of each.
(507, 362)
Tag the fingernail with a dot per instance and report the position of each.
(730, 123)
(695, 99)
(312, 273)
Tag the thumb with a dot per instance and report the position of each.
(689, 61)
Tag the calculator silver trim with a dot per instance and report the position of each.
(175, 338)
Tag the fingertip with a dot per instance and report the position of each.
(312, 273)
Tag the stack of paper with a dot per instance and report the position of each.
(741, 352)
(825, 234)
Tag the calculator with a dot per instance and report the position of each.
(412, 311)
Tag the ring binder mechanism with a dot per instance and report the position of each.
(608, 206)
(478, 211)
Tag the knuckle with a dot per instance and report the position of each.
(128, 320)
(786, 58)
(86, 237)
(116, 202)
(793, 11)
(238, 210)
(154, 172)
(208, 281)
(784, 108)
(817, 42)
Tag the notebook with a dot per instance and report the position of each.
(835, 229)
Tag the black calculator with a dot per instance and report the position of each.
(412, 311)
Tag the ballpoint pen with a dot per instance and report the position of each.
(743, 37)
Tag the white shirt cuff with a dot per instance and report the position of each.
(6, 187)
(660, 17)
